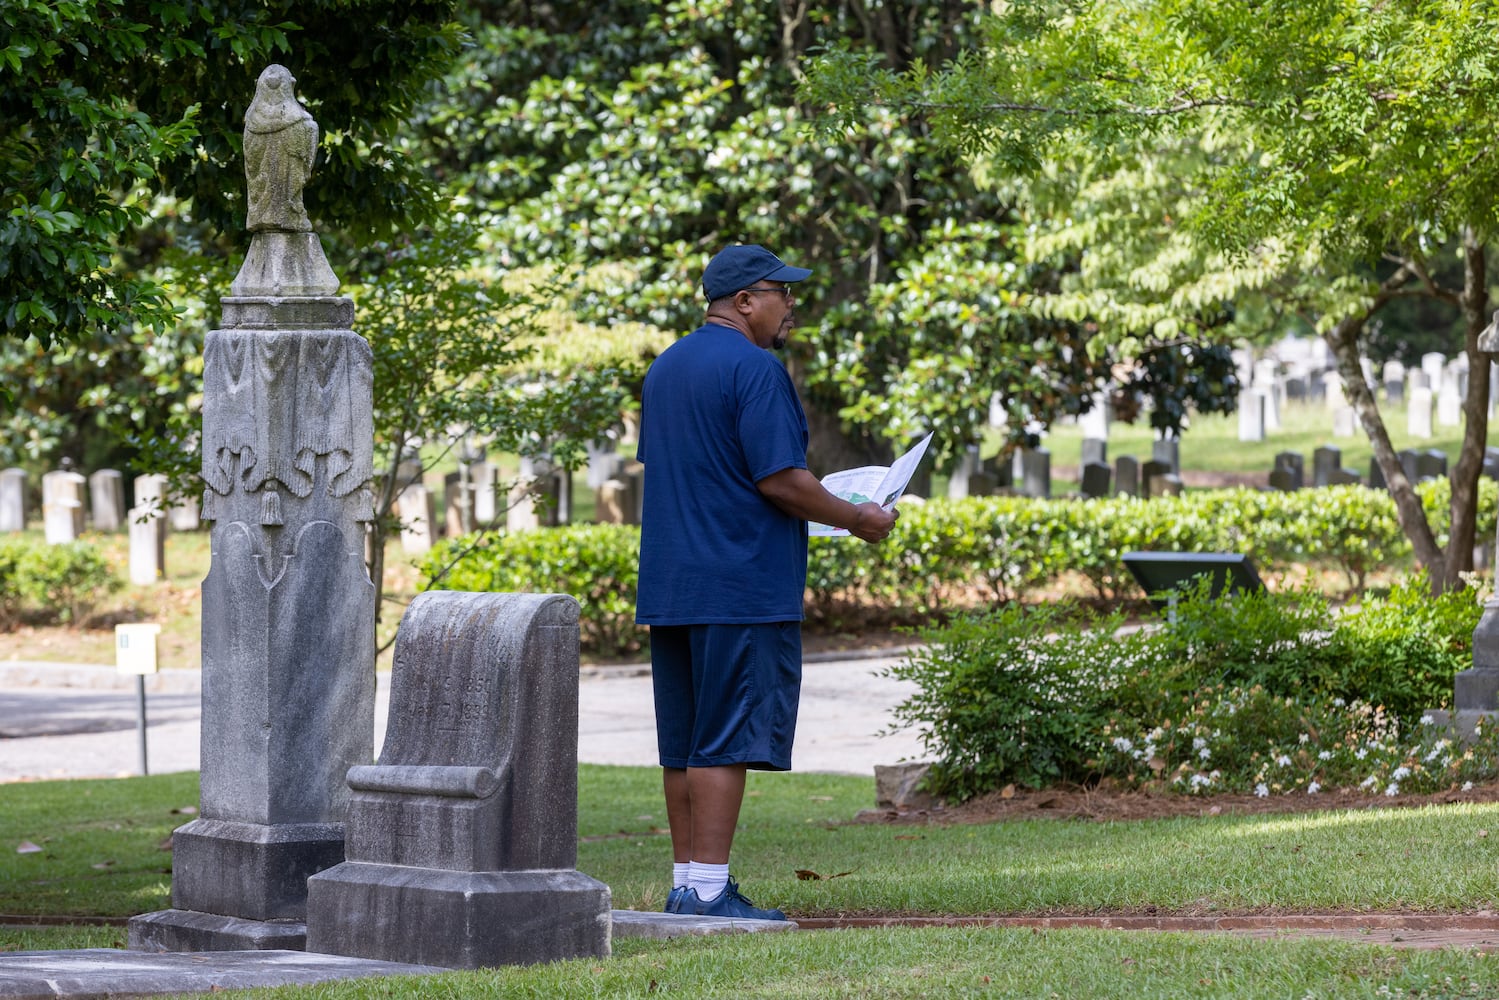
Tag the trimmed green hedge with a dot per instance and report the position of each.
(595, 563)
(1000, 548)
(62, 582)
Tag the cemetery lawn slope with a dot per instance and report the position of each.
(101, 854)
(95, 848)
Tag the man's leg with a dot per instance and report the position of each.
(702, 809)
(715, 795)
(678, 812)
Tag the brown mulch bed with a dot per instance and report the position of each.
(1104, 804)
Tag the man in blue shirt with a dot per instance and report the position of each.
(723, 562)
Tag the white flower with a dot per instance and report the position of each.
(1324, 755)
(1123, 745)
(1313, 788)
(1369, 782)
(1393, 788)
(1201, 780)
(1339, 702)
(1261, 791)
(1198, 743)
(1205, 753)
(1401, 773)
(1283, 761)
(1303, 738)
(1427, 719)
(1361, 752)
(1467, 786)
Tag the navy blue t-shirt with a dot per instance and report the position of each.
(719, 414)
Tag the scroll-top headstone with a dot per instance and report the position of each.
(462, 839)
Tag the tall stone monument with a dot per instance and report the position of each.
(288, 606)
(463, 839)
(1476, 690)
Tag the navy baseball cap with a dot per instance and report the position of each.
(737, 267)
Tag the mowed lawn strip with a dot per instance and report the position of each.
(102, 853)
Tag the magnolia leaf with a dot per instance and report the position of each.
(807, 875)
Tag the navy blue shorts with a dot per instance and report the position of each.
(726, 694)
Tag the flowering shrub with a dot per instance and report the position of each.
(1265, 693)
(1247, 740)
(1015, 695)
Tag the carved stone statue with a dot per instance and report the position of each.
(280, 146)
(285, 261)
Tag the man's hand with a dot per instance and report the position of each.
(874, 522)
(798, 493)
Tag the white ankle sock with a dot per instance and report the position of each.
(678, 873)
(707, 880)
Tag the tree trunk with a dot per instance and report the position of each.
(1463, 506)
(1343, 339)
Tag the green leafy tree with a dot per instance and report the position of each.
(455, 363)
(1318, 161)
(636, 139)
(106, 105)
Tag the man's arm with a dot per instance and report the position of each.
(798, 493)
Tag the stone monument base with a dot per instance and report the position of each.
(239, 886)
(250, 870)
(193, 931)
(1464, 722)
(455, 919)
(1477, 688)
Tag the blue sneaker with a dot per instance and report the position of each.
(674, 900)
(728, 903)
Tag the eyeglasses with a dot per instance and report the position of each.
(784, 291)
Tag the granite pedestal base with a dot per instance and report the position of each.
(191, 931)
(1464, 723)
(1477, 688)
(454, 919)
(238, 886)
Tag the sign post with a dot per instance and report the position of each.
(135, 653)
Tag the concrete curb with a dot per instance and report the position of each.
(93, 677)
(99, 677)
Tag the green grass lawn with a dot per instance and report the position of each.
(102, 856)
(102, 853)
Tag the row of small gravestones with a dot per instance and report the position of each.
(1289, 471)
(1028, 473)
(476, 497)
(71, 502)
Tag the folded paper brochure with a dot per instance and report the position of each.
(871, 482)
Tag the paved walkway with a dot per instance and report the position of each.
(82, 721)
